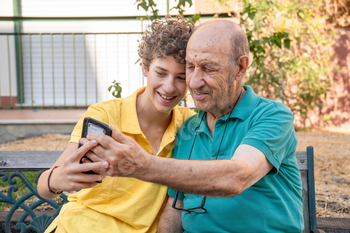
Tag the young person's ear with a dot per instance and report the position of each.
(144, 70)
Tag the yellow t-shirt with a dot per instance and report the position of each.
(119, 204)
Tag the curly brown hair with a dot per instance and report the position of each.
(165, 38)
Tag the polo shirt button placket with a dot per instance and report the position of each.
(216, 145)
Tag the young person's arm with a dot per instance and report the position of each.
(170, 219)
(68, 175)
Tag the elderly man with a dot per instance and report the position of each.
(248, 180)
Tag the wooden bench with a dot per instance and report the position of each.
(15, 162)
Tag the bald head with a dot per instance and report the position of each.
(224, 32)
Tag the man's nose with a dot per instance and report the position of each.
(195, 79)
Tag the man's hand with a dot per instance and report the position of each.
(124, 155)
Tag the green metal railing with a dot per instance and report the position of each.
(66, 70)
(29, 54)
(67, 66)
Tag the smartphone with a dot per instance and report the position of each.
(91, 125)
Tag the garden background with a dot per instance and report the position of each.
(300, 53)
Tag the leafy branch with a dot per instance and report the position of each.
(117, 89)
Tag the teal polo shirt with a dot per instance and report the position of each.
(274, 203)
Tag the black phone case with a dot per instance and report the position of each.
(86, 122)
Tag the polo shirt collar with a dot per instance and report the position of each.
(242, 111)
(176, 121)
(197, 122)
(246, 105)
(173, 127)
(129, 114)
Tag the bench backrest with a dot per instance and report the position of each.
(12, 163)
(42, 160)
(28, 160)
(305, 161)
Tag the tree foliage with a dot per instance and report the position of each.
(290, 64)
(116, 89)
(297, 73)
(151, 7)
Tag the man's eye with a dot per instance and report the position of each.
(160, 73)
(208, 70)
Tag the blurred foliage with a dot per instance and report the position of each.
(290, 48)
(116, 89)
(151, 7)
(298, 73)
(338, 12)
(148, 6)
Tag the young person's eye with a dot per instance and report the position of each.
(160, 73)
(181, 78)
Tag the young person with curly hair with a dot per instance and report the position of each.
(152, 118)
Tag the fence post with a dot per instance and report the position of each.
(18, 46)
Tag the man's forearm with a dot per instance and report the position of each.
(210, 178)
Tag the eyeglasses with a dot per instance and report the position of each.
(200, 209)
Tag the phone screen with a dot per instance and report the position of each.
(92, 128)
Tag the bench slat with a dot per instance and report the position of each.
(28, 160)
(302, 160)
(36, 159)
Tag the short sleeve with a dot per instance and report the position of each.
(272, 132)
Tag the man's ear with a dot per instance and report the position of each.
(242, 65)
(144, 70)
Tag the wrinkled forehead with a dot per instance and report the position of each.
(210, 40)
(208, 47)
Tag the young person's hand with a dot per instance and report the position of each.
(69, 177)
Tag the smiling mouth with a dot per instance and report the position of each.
(167, 97)
(200, 93)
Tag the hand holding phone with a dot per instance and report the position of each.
(91, 125)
